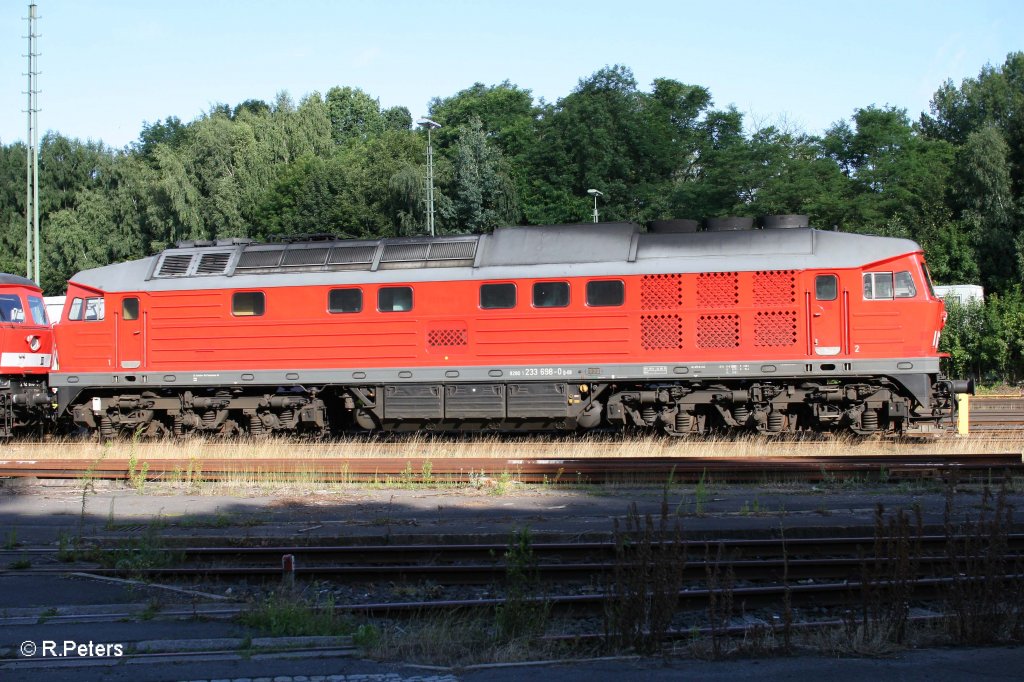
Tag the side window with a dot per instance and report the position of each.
(248, 303)
(826, 287)
(877, 286)
(493, 296)
(75, 312)
(394, 299)
(550, 294)
(130, 309)
(94, 309)
(38, 308)
(904, 285)
(11, 309)
(345, 300)
(602, 293)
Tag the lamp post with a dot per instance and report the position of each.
(595, 193)
(430, 125)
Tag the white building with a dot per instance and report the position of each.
(964, 293)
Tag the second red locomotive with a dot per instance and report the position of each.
(571, 326)
(26, 353)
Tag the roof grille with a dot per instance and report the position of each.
(342, 255)
(213, 263)
(394, 253)
(174, 265)
(315, 256)
(452, 250)
(269, 258)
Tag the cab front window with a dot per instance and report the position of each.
(11, 308)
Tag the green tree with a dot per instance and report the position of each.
(483, 194)
(353, 114)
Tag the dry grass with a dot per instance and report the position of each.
(587, 445)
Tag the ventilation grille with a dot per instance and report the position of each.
(213, 263)
(775, 328)
(661, 292)
(718, 331)
(452, 250)
(775, 287)
(395, 253)
(661, 332)
(316, 255)
(718, 290)
(345, 255)
(447, 338)
(298, 257)
(260, 259)
(174, 265)
(428, 251)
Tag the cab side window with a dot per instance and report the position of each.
(877, 286)
(904, 285)
(88, 309)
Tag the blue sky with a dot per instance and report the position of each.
(109, 65)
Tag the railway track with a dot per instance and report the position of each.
(458, 564)
(996, 414)
(995, 418)
(420, 470)
(819, 571)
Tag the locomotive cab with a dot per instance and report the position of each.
(26, 353)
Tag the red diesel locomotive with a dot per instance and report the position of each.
(569, 326)
(26, 352)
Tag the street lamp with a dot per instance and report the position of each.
(595, 193)
(430, 125)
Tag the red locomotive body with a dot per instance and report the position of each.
(562, 326)
(26, 352)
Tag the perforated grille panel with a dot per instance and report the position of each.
(718, 290)
(661, 292)
(718, 331)
(447, 338)
(775, 328)
(661, 331)
(775, 287)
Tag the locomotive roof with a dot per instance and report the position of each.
(512, 252)
(15, 280)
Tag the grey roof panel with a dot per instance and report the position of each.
(583, 243)
(15, 280)
(560, 251)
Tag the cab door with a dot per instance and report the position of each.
(131, 337)
(826, 313)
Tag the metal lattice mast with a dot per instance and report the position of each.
(430, 125)
(32, 155)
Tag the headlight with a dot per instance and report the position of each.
(33, 342)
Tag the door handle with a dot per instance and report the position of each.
(136, 333)
(815, 315)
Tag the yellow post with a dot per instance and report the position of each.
(963, 413)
